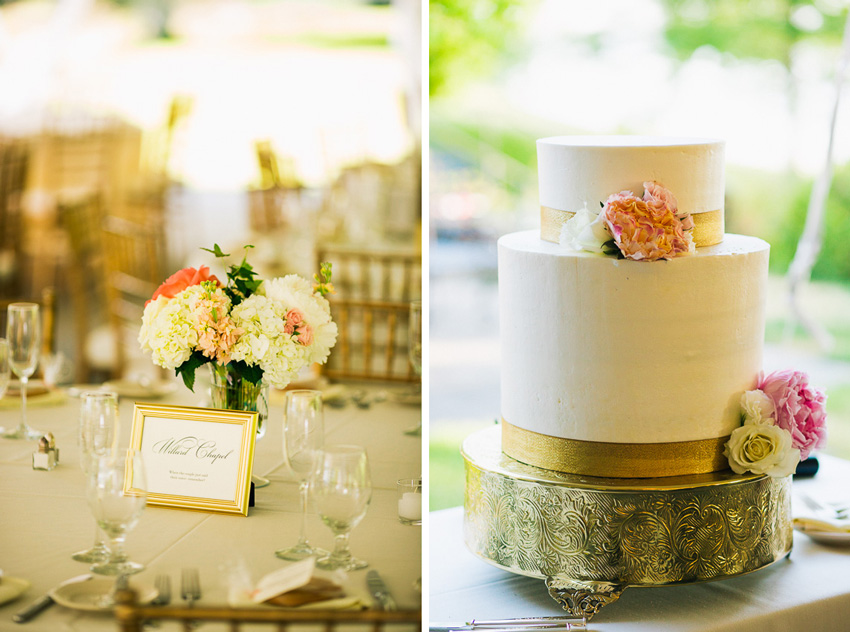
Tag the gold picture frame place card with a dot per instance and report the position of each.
(196, 458)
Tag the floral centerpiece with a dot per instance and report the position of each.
(251, 332)
(784, 419)
(644, 228)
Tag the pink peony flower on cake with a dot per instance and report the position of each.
(800, 408)
(647, 229)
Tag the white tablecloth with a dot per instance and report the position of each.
(44, 517)
(808, 591)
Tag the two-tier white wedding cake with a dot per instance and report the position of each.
(616, 367)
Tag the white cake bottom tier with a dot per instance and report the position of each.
(600, 349)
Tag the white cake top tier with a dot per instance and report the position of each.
(582, 171)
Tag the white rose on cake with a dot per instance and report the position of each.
(761, 449)
(585, 230)
(757, 407)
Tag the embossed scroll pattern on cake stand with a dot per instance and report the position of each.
(591, 538)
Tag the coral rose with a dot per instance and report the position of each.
(182, 279)
(800, 408)
(644, 232)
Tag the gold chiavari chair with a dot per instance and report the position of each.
(14, 160)
(394, 276)
(371, 308)
(131, 617)
(273, 205)
(82, 220)
(133, 253)
(372, 343)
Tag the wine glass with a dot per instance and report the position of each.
(414, 352)
(342, 488)
(97, 436)
(116, 495)
(5, 371)
(303, 438)
(23, 333)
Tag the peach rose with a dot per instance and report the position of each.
(305, 335)
(643, 232)
(182, 279)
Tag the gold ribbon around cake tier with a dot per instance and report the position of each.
(613, 460)
(708, 227)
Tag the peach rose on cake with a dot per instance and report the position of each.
(645, 232)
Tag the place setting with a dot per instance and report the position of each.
(141, 459)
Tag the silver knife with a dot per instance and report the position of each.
(379, 591)
(45, 602)
(517, 626)
(529, 624)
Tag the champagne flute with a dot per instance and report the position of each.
(97, 436)
(303, 438)
(342, 488)
(116, 495)
(5, 371)
(23, 333)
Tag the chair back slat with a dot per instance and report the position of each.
(132, 616)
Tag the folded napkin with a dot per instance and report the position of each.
(810, 524)
(294, 586)
(11, 588)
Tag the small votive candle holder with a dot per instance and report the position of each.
(410, 501)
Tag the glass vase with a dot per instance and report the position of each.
(230, 391)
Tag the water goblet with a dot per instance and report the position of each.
(116, 494)
(303, 438)
(5, 371)
(23, 334)
(97, 437)
(342, 488)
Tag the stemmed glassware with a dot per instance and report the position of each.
(23, 333)
(5, 371)
(116, 494)
(342, 488)
(303, 439)
(97, 437)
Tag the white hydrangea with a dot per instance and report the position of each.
(170, 329)
(293, 291)
(263, 341)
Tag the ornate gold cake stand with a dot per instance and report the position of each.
(591, 538)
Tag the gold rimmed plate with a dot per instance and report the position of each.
(87, 595)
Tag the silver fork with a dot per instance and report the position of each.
(163, 590)
(839, 511)
(190, 586)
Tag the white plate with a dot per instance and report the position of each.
(11, 588)
(85, 595)
(837, 538)
(128, 388)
